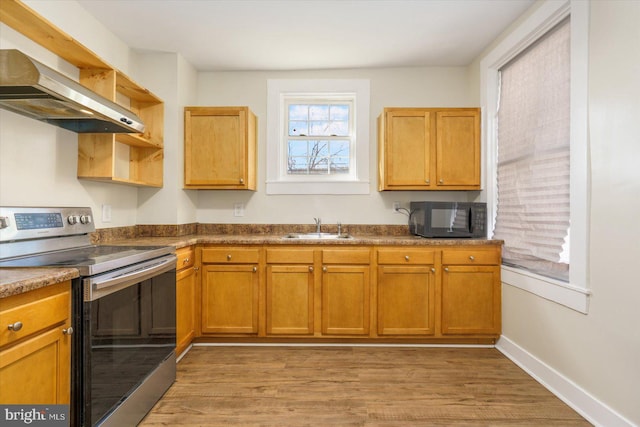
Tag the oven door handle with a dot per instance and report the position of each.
(98, 288)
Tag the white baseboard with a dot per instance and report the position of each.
(593, 410)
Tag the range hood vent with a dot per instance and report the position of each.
(34, 90)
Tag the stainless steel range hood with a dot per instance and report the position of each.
(34, 90)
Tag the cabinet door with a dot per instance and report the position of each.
(406, 300)
(37, 371)
(185, 308)
(407, 149)
(471, 300)
(345, 299)
(289, 299)
(219, 148)
(458, 148)
(230, 299)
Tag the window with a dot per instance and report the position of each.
(318, 137)
(557, 283)
(533, 156)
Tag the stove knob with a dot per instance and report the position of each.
(4, 222)
(72, 219)
(85, 219)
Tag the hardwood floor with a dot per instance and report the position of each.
(355, 386)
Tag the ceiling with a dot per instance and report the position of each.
(224, 35)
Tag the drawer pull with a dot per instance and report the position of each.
(15, 327)
(186, 260)
(406, 257)
(471, 257)
(229, 257)
(254, 269)
(68, 331)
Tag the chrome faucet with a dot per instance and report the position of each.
(339, 228)
(318, 224)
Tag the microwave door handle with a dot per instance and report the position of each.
(470, 219)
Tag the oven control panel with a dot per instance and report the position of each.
(26, 223)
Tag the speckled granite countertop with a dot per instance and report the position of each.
(15, 281)
(280, 239)
(18, 280)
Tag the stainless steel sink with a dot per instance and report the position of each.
(317, 236)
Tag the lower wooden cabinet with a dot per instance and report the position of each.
(471, 292)
(35, 359)
(290, 292)
(186, 298)
(450, 294)
(345, 291)
(406, 292)
(230, 291)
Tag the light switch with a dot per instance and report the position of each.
(238, 209)
(106, 213)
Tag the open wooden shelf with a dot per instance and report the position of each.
(99, 154)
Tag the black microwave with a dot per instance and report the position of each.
(448, 219)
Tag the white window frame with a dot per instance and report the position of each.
(575, 293)
(278, 181)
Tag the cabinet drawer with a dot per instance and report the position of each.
(290, 256)
(345, 256)
(230, 255)
(186, 257)
(482, 256)
(41, 313)
(405, 256)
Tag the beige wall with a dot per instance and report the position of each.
(600, 351)
(426, 87)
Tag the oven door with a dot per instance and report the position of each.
(129, 328)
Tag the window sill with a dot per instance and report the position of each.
(570, 296)
(337, 187)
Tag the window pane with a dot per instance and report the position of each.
(318, 112)
(339, 112)
(298, 165)
(339, 165)
(338, 128)
(298, 148)
(319, 128)
(340, 147)
(298, 112)
(297, 128)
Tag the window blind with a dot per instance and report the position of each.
(533, 208)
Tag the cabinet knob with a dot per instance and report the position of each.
(406, 257)
(471, 257)
(241, 180)
(196, 268)
(433, 270)
(229, 257)
(446, 269)
(255, 268)
(324, 269)
(186, 261)
(68, 331)
(441, 181)
(428, 181)
(311, 268)
(15, 327)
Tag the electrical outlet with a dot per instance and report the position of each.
(238, 209)
(106, 213)
(396, 207)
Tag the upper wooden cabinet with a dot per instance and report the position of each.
(220, 148)
(429, 149)
(133, 159)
